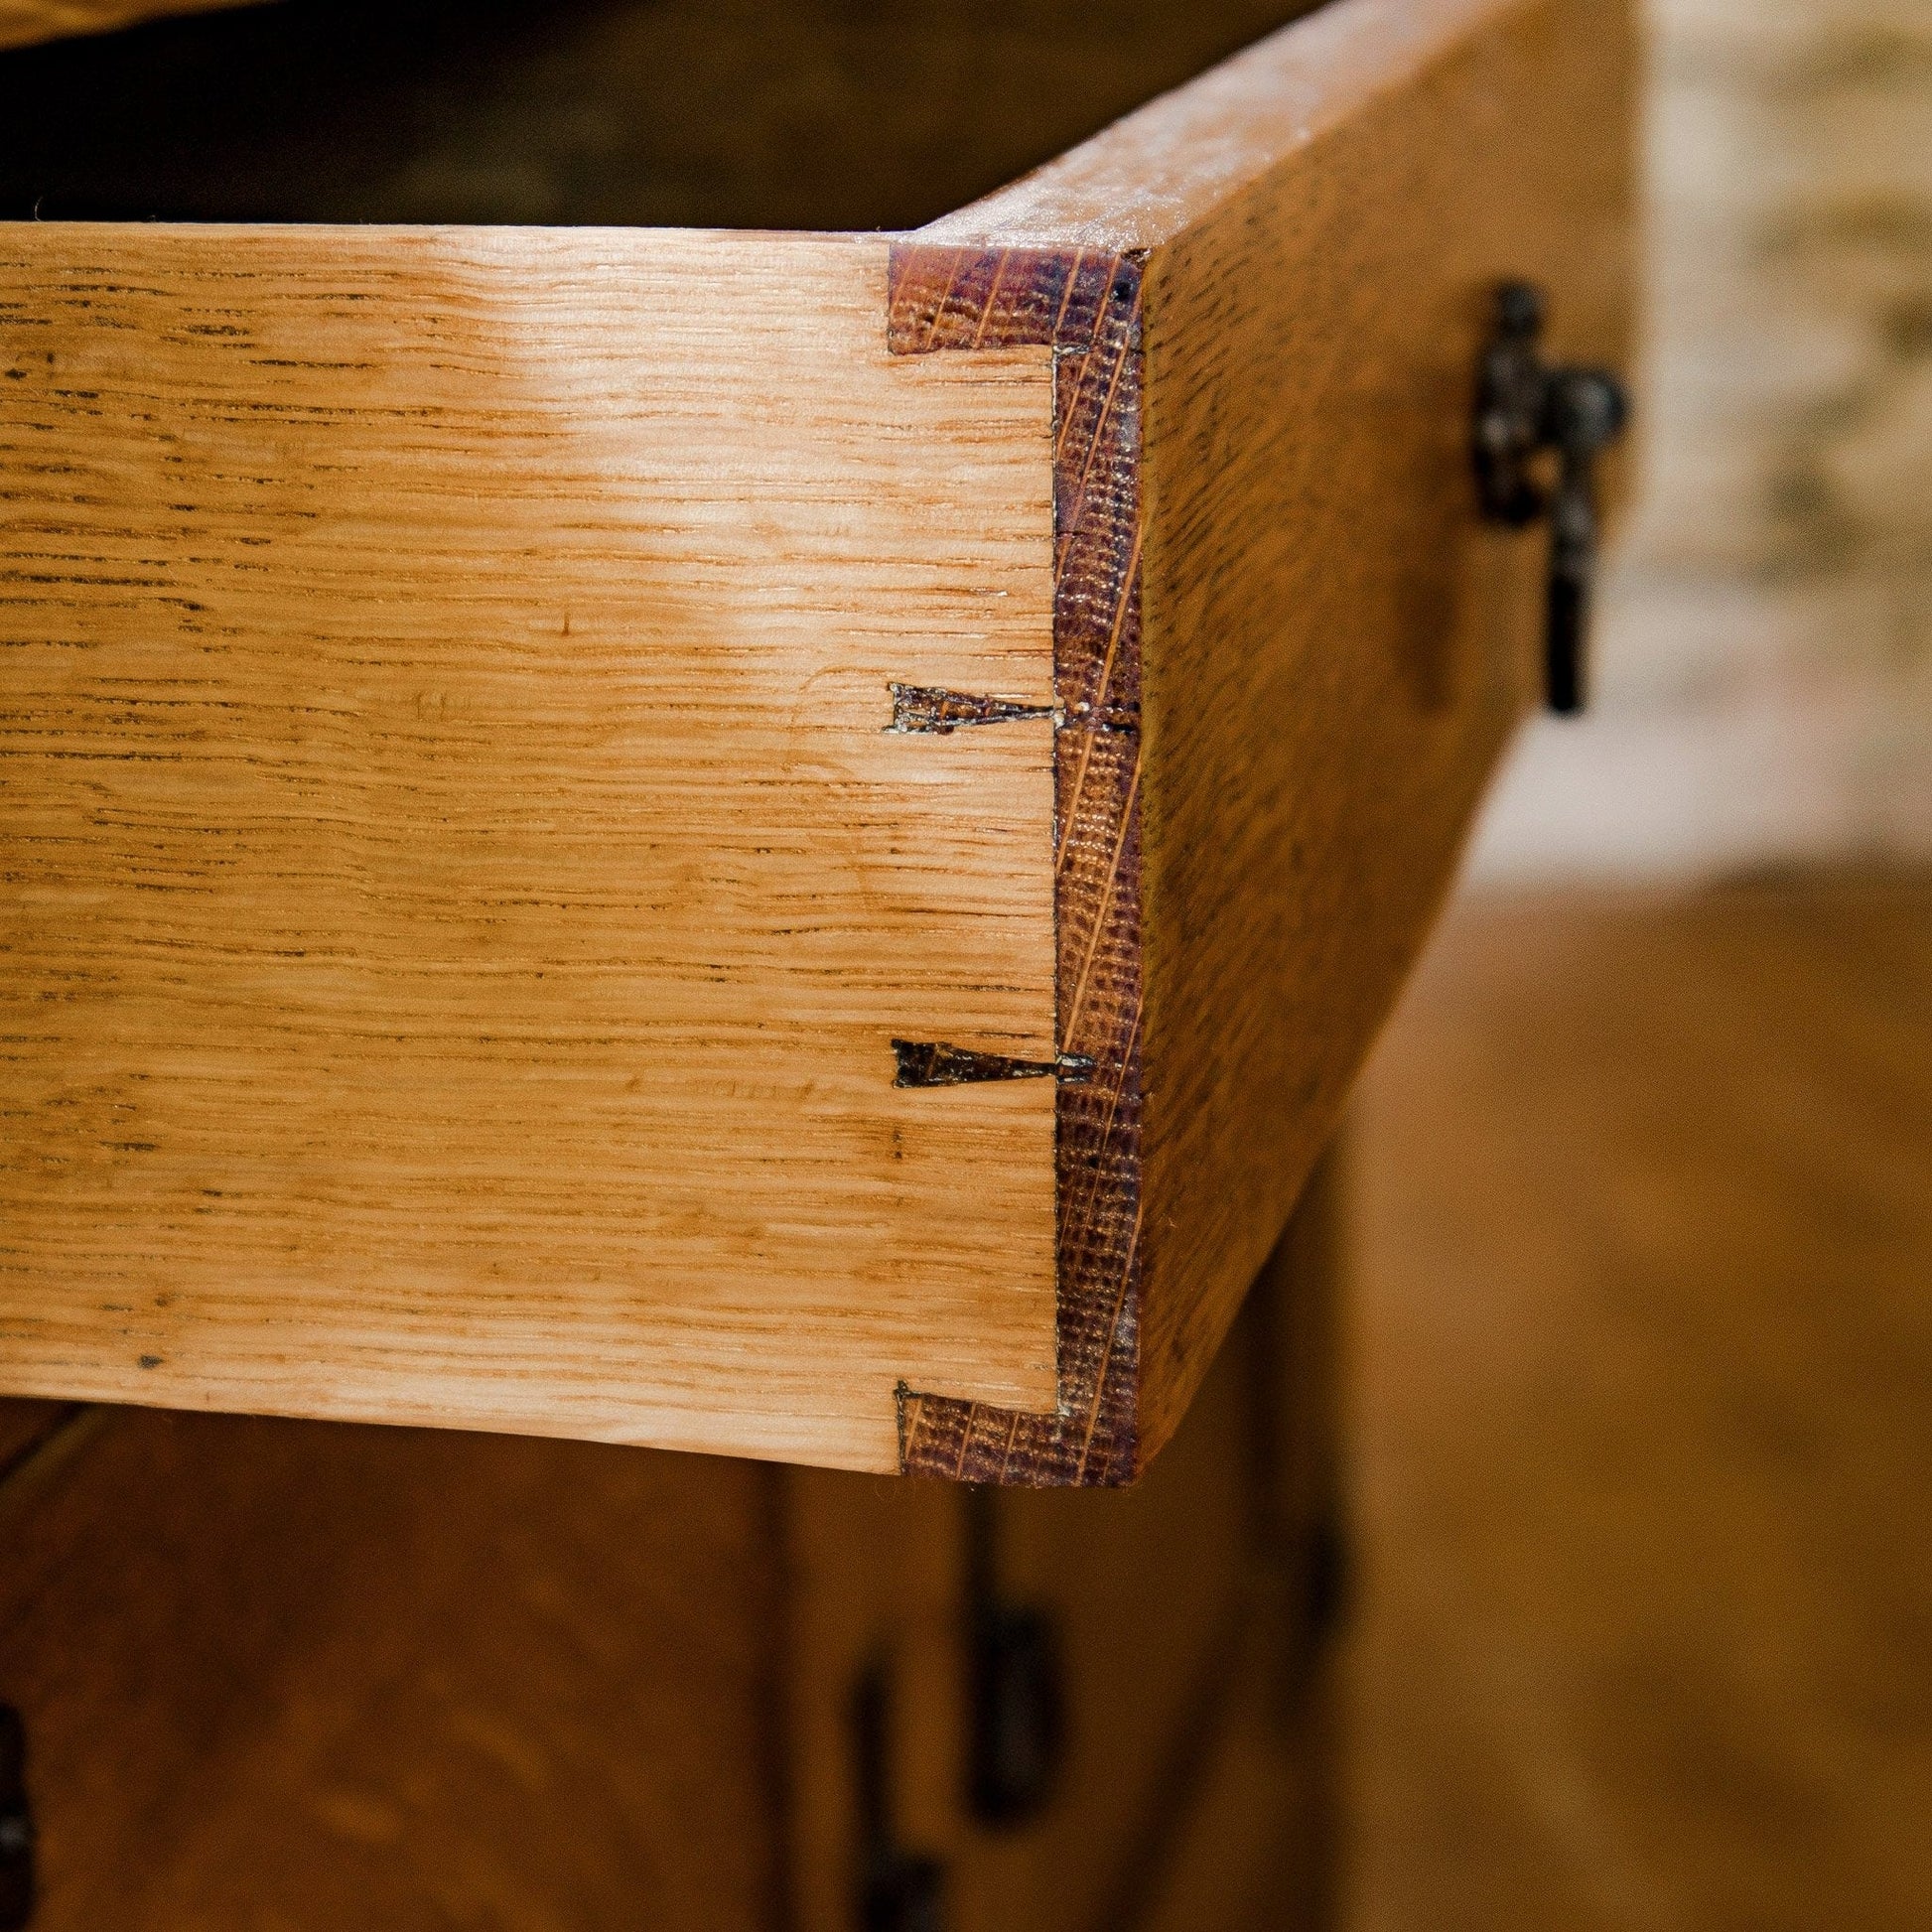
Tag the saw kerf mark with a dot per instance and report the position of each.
(933, 1063)
(926, 708)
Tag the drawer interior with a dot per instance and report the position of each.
(715, 113)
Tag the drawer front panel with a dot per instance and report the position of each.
(1339, 645)
(1315, 648)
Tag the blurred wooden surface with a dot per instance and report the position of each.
(280, 1675)
(1164, 1628)
(299, 1676)
(23, 1426)
(23, 21)
(1645, 1412)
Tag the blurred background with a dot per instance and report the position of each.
(1643, 1331)
(1764, 691)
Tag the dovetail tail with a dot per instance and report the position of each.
(932, 1063)
(924, 708)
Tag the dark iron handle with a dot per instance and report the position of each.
(1018, 1698)
(901, 1889)
(1526, 408)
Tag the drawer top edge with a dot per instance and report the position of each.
(1162, 168)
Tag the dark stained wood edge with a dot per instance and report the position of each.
(1085, 305)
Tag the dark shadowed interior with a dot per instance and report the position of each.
(728, 113)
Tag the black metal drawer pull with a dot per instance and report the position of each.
(16, 1826)
(1019, 1699)
(901, 1889)
(1524, 409)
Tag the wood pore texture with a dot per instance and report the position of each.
(1337, 649)
(462, 886)
(1086, 306)
(23, 21)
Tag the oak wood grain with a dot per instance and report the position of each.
(1085, 306)
(23, 21)
(463, 888)
(1337, 648)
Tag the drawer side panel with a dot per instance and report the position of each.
(463, 884)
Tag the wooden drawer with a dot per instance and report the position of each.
(777, 842)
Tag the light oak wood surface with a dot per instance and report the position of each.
(463, 889)
(23, 21)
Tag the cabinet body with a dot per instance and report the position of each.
(314, 1675)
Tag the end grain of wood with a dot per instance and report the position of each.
(1331, 650)
(473, 885)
